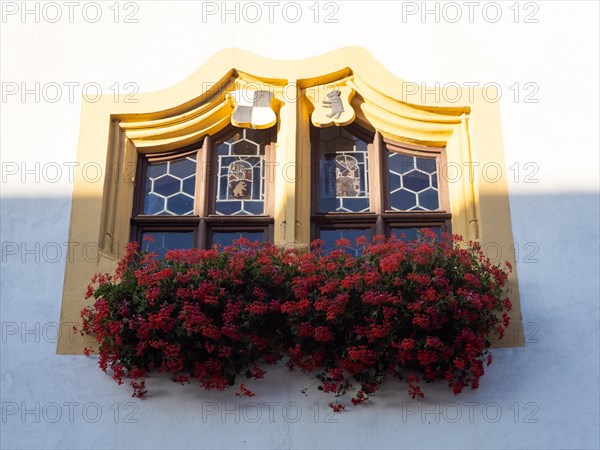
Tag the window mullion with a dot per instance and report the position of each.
(375, 174)
(377, 181)
(202, 181)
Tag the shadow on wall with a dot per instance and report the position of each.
(556, 251)
(557, 239)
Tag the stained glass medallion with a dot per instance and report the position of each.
(241, 174)
(343, 172)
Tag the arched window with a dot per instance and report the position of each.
(210, 193)
(368, 185)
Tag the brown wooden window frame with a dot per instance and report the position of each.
(381, 218)
(203, 222)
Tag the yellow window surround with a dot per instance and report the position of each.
(113, 132)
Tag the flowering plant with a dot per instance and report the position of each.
(420, 310)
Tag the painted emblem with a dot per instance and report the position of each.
(334, 102)
(332, 105)
(253, 109)
(239, 180)
(347, 176)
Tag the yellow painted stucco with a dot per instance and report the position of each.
(113, 131)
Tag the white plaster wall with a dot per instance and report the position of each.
(542, 396)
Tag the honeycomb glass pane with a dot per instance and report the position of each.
(170, 187)
(157, 170)
(245, 148)
(415, 181)
(403, 200)
(344, 171)
(399, 163)
(180, 204)
(183, 168)
(240, 176)
(429, 199)
(412, 183)
(166, 185)
(161, 242)
(154, 204)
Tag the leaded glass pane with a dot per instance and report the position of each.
(241, 174)
(411, 234)
(161, 242)
(329, 237)
(170, 187)
(413, 183)
(226, 238)
(344, 171)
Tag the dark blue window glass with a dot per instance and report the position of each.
(167, 240)
(329, 237)
(411, 234)
(225, 238)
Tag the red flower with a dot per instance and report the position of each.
(244, 392)
(337, 407)
(214, 315)
(408, 344)
(359, 398)
(459, 363)
(343, 243)
(323, 334)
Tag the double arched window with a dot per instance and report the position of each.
(223, 188)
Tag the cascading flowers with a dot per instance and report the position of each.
(418, 311)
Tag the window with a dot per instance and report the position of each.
(207, 194)
(369, 185)
(164, 160)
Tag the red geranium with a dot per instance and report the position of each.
(399, 309)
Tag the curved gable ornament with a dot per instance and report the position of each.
(114, 131)
(205, 102)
